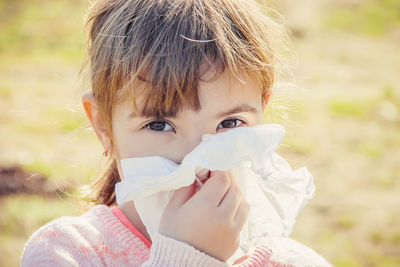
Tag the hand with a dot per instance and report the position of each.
(210, 219)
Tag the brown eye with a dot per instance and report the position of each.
(159, 126)
(230, 123)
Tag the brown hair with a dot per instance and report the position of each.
(165, 44)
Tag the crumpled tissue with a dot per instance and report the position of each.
(275, 193)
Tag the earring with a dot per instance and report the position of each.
(105, 153)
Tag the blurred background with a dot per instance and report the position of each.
(342, 114)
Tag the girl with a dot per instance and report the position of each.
(164, 73)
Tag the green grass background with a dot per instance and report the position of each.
(342, 113)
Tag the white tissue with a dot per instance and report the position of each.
(275, 193)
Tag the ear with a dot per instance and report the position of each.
(97, 122)
(266, 100)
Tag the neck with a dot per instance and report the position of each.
(130, 212)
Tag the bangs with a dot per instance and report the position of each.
(166, 84)
(162, 49)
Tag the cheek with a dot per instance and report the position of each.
(142, 144)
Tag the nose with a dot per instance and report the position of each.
(187, 146)
(188, 142)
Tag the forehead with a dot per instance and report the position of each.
(213, 89)
(230, 86)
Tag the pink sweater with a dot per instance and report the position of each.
(103, 236)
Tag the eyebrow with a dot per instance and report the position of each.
(238, 109)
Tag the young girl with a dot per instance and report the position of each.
(164, 73)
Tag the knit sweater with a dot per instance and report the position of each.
(103, 236)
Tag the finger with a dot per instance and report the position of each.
(203, 175)
(181, 195)
(214, 188)
(242, 214)
(231, 201)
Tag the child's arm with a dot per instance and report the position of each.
(168, 252)
(283, 252)
(277, 252)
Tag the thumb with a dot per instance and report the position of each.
(181, 195)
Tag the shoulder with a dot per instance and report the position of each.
(79, 241)
(66, 227)
(58, 240)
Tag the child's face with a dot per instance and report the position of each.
(226, 103)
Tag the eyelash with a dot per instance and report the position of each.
(148, 126)
(230, 119)
(152, 123)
